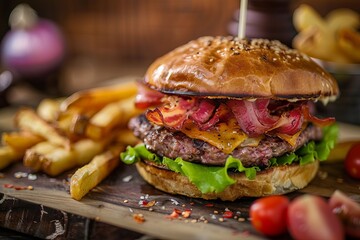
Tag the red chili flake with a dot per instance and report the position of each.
(20, 187)
(228, 214)
(186, 213)
(148, 204)
(175, 214)
(144, 202)
(139, 218)
(8, 185)
(209, 205)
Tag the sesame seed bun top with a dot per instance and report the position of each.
(230, 67)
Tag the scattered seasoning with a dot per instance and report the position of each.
(131, 210)
(209, 205)
(127, 178)
(126, 201)
(173, 201)
(148, 204)
(175, 214)
(20, 187)
(216, 212)
(143, 202)
(144, 197)
(32, 177)
(151, 209)
(186, 213)
(322, 175)
(228, 214)
(213, 216)
(192, 203)
(183, 205)
(241, 219)
(221, 219)
(20, 175)
(202, 219)
(17, 187)
(139, 218)
(193, 221)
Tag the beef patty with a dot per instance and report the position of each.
(172, 144)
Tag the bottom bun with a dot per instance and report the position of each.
(273, 181)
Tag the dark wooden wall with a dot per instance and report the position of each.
(134, 30)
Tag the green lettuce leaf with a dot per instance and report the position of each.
(215, 179)
(207, 178)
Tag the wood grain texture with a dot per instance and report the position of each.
(48, 210)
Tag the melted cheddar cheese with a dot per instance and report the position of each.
(224, 136)
(228, 136)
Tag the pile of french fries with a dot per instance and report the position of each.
(87, 130)
(331, 38)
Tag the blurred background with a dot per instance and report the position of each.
(115, 40)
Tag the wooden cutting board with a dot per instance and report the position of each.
(47, 211)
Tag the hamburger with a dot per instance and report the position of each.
(228, 118)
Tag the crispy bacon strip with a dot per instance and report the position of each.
(254, 117)
(317, 121)
(147, 97)
(204, 111)
(172, 116)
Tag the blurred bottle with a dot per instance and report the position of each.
(271, 19)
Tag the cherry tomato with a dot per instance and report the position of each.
(310, 217)
(268, 215)
(352, 161)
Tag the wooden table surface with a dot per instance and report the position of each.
(108, 211)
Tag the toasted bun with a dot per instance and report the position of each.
(230, 67)
(274, 181)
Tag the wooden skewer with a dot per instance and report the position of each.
(242, 19)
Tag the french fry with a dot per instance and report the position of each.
(8, 155)
(90, 175)
(34, 156)
(54, 160)
(349, 43)
(305, 16)
(21, 141)
(342, 18)
(49, 109)
(27, 119)
(339, 152)
(113, 115)
(126, 137)
(326, 38)
(97, 98)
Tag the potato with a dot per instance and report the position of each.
(90, 175)
(27, 119)
(113, 115)
(20, 141)
(8, 155)
(97, 98)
